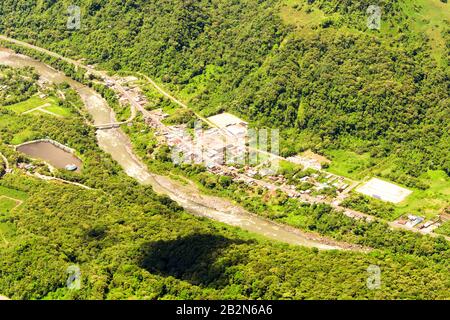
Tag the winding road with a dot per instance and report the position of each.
(115, 142)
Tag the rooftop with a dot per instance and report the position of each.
(224, 120)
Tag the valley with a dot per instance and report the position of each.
(278, 151)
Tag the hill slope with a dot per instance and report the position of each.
(309, 67)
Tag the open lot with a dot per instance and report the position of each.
(225, 119)
(383, 190)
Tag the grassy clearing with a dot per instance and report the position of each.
(429, 17)
(63, 112)
(7, 204)
(12, 193)
(428, 203)
(7, 231)
(49, 104)
(30, 104)
(348, 164)
(296, 13)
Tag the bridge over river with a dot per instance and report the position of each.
(115, 142)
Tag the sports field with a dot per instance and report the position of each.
(384, 191)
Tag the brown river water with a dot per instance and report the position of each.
(50, 153)
(117, 144)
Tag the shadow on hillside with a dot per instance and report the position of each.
(192, 258)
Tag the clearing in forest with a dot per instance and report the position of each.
(9, 200)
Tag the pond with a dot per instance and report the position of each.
(50, 153)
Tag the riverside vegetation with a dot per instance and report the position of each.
(129, 242)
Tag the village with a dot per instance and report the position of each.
(226, 148)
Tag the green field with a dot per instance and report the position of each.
(348, 164)
(35, 102)
(7, 204)
(11, 193)
(30, 104)
(294, 12)
(63, 112)
(428, 203)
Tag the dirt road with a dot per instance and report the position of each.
(117, 143)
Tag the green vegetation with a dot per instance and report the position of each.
(182, 116)
(32, 103)
(7, 204)
(125, 228)
(16, 194)
(377, 95)
(310, 68)
(16, 84)
(444, 229)
(348, 163)
(371, 206)
(130, 236)
(432, 201)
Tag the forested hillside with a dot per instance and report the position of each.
(16, 85)
(130, 243)
(310, 67)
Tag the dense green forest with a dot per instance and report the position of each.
(130, 243)
(312, 68)
(326, 80)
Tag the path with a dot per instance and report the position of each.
(18, 203)
(118, 145)
(42, 109)
(134, 167)
(5, 161)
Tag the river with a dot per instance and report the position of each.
(117, 144)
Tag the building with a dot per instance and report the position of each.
(225, 119)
